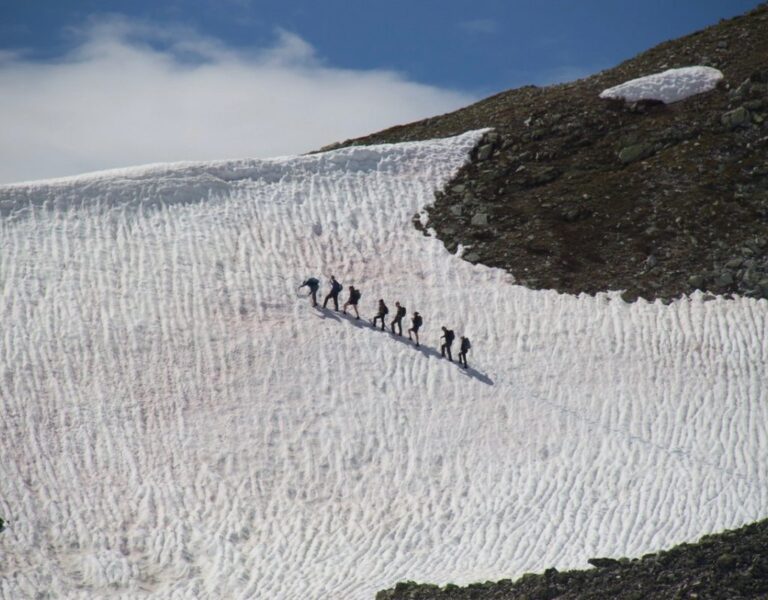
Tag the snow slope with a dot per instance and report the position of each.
(175, 422)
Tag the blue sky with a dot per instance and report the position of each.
(64, 63)
(480, 46)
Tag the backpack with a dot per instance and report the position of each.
(312, 283)
(449, 335)
(355, 296)
(466, 345)
(417, 321)
(401, 312)
(384, 310)
(336, 287)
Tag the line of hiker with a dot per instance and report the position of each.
(383, 310)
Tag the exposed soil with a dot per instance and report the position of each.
(579, 194)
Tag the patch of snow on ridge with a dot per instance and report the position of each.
(175, 422)
(669, 86)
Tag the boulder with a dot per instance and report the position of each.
(725, 279)
(543, 175)
(480, 219)
(736, 118)
(603, 563)
(484, 152)
(726, 562)
(636, 152)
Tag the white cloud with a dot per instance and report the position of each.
(132, 93)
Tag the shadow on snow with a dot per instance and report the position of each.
(362, 323)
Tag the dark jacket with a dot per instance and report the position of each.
(312, 283)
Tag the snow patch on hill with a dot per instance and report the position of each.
(672, 85)
(176, 422)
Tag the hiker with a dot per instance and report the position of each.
(383, 310)
(336, 288)
(448, 335)
(354, 298)
(313, 285)
(416, 322)
(465, 346)
(398, 320)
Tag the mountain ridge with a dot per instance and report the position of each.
(580, 194)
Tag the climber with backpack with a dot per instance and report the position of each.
(465, 346)
(336, 288)
(416, 322)
(398, 320)
(313, 285)
(448, 336)
(354, 298)
(383, 311)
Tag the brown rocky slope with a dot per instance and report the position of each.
(579, 194)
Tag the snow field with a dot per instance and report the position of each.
(175, 422)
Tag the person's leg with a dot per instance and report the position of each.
(325, 302)
(416, 333)
(442, 350)
(450, 356)
(336, 302)
(357, 314)
(314, 297)
(400, 327)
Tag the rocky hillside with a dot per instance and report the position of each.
(579, 194)
(731, 565)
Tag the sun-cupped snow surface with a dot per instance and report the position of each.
(672, 85)
(176, 422)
